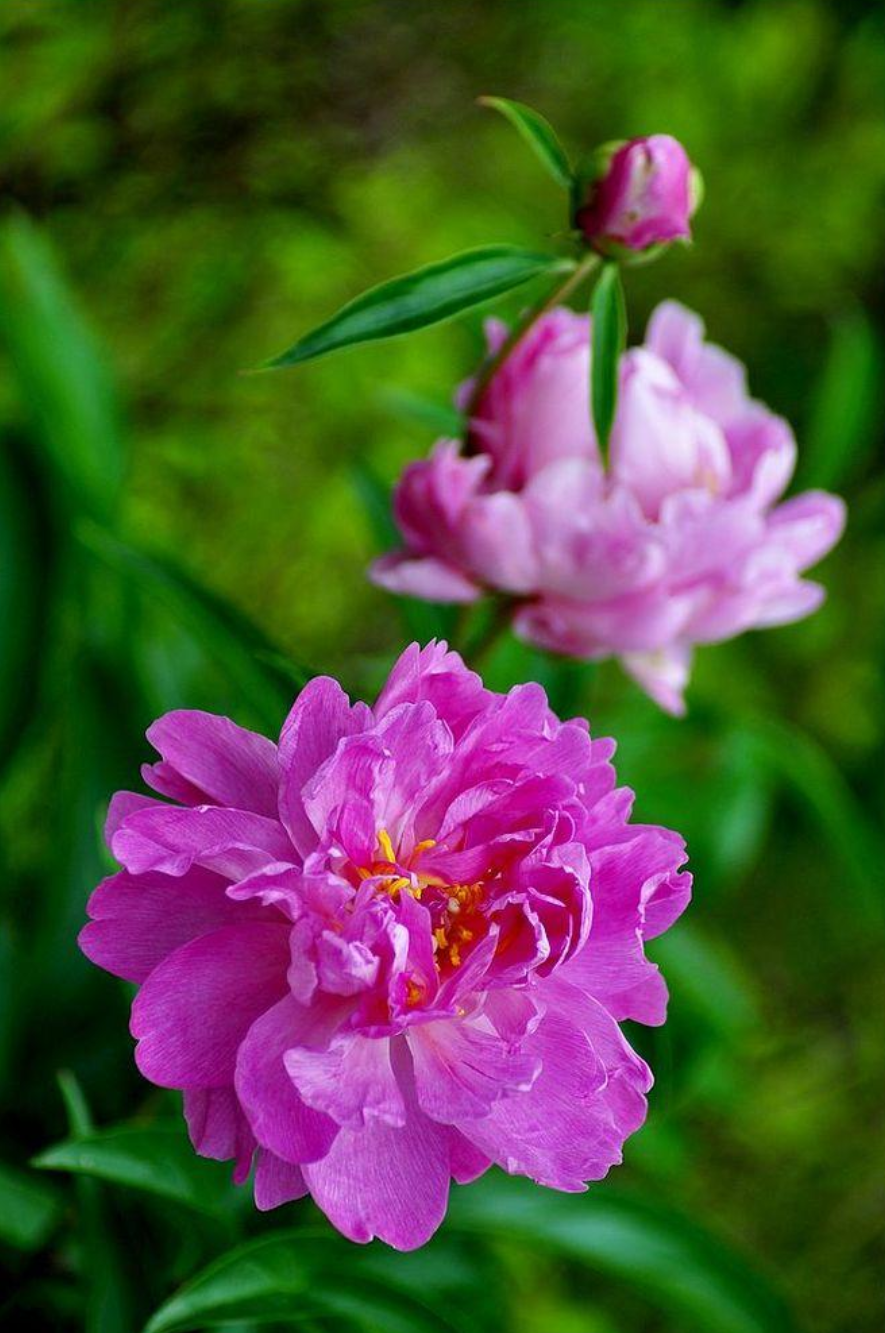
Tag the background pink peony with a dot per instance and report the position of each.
(679, 541)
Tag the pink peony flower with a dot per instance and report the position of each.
(393, 948)
(645, 196)
(678, 542)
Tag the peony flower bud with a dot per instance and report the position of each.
(644, 196)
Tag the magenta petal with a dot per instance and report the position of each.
(218, 1128)
(386, 1181)
(466, 1162)
(195, 1008)
(219, 762)
(461, 1068)
(280, 1120)
(171, 839)
(551, 1133)
(125, 803)
(353, 1081)
(276, 1182)
(138, 920)
(320, 717)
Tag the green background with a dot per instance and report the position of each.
(187, 187)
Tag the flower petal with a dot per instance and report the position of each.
(195, 1008)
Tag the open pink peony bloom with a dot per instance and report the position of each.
(393, 948)
(679, 542)
(644, 197)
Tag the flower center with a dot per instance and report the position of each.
(454, 908)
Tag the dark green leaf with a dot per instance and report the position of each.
(109, 1298)
(538, 133)
(29, 1209)
(677, 1265)
(22, 600)
(156, 1159)
(846, 409)
(262, 673)
(705, 974)
(421, 298)
(63, 376)
(802, 765)
(609, 338)
(294, 1277)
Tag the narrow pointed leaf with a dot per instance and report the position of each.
(855, 843)
(677, 1265)
(293, 1277)
(254, 665)
(846, 410)
(62, 373)
(22, 597)
(609, 338)
(538, 133)
(424, 297)
(29, 1209)
(156, 1159)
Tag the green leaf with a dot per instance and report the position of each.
(609, 338)
(156, 1159)
(109, 1297)
(846, 408)
(801, 764)
(706, 975)
(421, 298)
(258, 669)
(538, 133)
(63, 375)
(29, 1209)
(680, 1267)
(22, 599)
(293, 1276)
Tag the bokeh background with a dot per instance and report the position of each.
(187, 186)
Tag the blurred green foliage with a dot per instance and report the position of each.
(210, 178)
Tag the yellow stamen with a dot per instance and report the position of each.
(420, 847)
(386, 846)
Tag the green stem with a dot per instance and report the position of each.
(560, 292)
(477, 648)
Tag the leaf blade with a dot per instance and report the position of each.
(421, 298)
(292, 1274)
(677, 1264)
(61, 370)
(155, 1159)
(609, 339)
(538, 133)
(29, 1209)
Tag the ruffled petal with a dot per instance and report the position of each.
(194, 1010)
(280, 1119)
(210, 760)
(384, 1180)
(138, 920)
